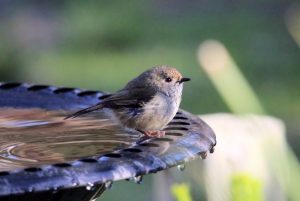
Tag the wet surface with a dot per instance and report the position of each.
(76, 155)
(34, 137)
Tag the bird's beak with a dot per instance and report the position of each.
(185, 79)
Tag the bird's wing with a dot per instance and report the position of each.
(84, 111)
(133, 98)
(129, 98)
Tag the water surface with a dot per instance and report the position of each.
(33, 137)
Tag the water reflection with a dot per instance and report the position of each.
(30, 137)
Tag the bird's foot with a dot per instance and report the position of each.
(154, 133)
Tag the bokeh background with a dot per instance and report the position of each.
(102, 44)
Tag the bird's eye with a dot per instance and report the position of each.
(168, 79)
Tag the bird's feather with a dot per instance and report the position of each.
(84, 111)
(134, 98)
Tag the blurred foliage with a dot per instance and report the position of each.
(246, 188)
(181, 192)
(103, 44)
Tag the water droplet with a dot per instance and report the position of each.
(75, 184)
(89, 186)
(138, 179)
(54, 190)
(181, 167)
(31, 189)
(108, 184)
(203, 155)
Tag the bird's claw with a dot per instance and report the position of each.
(154, 133)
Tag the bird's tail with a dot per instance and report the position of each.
(84, 111)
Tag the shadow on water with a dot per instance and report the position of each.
(33, 137)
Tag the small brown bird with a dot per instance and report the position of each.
(147, 103)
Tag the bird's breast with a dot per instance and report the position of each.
(158, 112)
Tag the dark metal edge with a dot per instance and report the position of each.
(172, 151)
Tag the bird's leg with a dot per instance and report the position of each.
(154, 133)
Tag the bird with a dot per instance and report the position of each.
(147, 103)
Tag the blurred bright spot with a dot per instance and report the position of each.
(208, 52)
(181, 192)
(246, 188)
(227, 78)
(293, 22)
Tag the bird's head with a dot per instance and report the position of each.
(167, 79)
(162, 78)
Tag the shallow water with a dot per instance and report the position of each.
(33, 137)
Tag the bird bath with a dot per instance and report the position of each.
(44, 157)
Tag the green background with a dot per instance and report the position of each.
(102, 44)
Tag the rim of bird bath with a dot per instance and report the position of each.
(85, 178)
